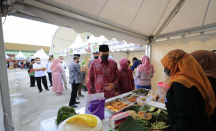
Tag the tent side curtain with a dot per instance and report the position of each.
(77, 25)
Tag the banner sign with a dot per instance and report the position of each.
(62, 52)
(70, 51)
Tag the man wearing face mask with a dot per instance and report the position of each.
(40, 74)
(75, 80)
(96, 55)
(80, 85)
(63, 65)
(103, 75)
(49, 71)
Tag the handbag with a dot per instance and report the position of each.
(31, 72)
(96, 107)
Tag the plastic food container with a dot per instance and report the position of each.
(162, 91)
(141, 100)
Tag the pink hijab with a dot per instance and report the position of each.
(123, 63)
(146, 66)
(56, 66)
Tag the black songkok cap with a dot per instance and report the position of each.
(78, 55)
(104, 48)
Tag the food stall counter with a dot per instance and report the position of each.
(50, 125)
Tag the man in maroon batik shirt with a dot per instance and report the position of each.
(103, 75)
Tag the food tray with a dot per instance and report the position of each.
(125, 97)
(118, 99)
(141, 91)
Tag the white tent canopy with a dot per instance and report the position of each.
(78, 45)
(42, 55)
(20, 56)
(133, 21)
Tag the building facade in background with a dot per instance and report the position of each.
(12, 49)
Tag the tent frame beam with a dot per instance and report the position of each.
(209, 27)
(167, 20)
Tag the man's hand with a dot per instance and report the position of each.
(109, 86)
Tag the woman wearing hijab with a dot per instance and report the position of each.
(207, 60)
(126, 80)
(145, 72)
(56, 77)
(190, 100)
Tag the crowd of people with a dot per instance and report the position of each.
(190, 100)
(13, 64)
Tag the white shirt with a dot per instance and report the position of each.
(63, 65)
(48, 65)
(39, 73)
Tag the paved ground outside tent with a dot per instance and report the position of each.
(29, 107)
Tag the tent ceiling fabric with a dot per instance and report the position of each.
(130, 20)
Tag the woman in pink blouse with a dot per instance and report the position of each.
(126, 80)
(56, 77)
(144, 73)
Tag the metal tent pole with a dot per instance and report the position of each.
(168, 19)
(4, 87)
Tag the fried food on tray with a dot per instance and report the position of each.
(132, 99)
(117, 105)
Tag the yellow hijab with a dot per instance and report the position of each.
(186, 70)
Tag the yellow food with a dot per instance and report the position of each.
(147, 117)
(86, 119)
(117, 105)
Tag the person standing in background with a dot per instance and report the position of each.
(15, 64)
(126, 80)
(75, 80)
(21, 64)
(63, 65)
(103, 75)
(96, 56)
(207, 60)
(49, 71)
(40, 74)
(56, 77)
(11, 65)
(136, 63)
(144, 73)
(80, 86)
(32, 73)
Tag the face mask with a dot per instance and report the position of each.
(61, 60)
(166, 79)
(38, 62)
(96, 57)
(104, 57)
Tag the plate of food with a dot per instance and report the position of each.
(117, 105)
(131, 98)
(141, 91)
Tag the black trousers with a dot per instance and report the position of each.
(50, 78)
(32, 80)
(44, 81)
(74, 93)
